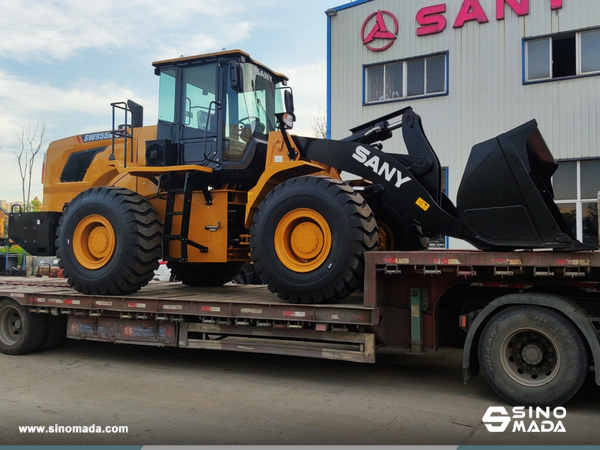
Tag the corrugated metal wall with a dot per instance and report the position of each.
(486, 91)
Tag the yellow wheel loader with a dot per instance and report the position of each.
(218, 182)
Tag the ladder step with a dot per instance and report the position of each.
(171, 237)
(174, 213)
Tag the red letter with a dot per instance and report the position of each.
(470, 10)
(431, 20)
(522, 9)
(555, 4)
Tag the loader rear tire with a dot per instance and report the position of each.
(308, 239)
(20, 330)
(204, 274)
(109, 241)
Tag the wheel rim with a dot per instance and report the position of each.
(11, 325)
(530, 357)
(94, 242)
(303, 240)
(386, 237)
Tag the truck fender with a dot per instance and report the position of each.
(272, 177)
(564, 305)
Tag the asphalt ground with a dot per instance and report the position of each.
(185, 396)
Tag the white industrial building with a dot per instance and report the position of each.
(473, 69)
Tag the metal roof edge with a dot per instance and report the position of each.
(350, 5)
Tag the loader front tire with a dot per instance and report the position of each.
(109, 241)
(308, 239)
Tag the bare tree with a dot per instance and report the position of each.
(319, 125)
(32, 140)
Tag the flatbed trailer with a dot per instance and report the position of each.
(530, 321)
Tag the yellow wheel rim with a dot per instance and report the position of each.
(386, 237)
(94, 242)
(303, 240)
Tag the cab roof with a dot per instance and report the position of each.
(210, 56)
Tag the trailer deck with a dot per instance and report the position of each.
(231, 317)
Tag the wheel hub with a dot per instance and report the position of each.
(532, 354)
(98, 241)
(94, 241)
(11, 325)
(307, 240)
(530, 357)
(302, 240)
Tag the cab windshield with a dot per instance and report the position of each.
(251, 112)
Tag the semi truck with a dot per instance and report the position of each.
(219, 182)
(529, 321)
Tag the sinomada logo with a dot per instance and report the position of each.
(527, 420)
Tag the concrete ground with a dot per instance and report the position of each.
(180, 396)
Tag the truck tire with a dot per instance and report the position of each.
(308, 239)
(204, 274)
(56, 332)
(20, 330)
(533, 356)
(109, 241)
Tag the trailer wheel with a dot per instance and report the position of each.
(109, 241)
(533, 356)
(20, 331)
(56, 332)
(308, 239)
(204, 274)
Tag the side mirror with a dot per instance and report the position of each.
(288, 98)
(236, 76)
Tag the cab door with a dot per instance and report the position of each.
(200, 115)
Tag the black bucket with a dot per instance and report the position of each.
(505, 199)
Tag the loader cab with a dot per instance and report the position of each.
(217, 110)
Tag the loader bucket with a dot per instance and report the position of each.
(505, 199)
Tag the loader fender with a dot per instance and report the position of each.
(272, 177)
(571, 310)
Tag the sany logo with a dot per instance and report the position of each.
(379, 31)
(361, 154)
(497, 420)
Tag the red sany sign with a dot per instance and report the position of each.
(432, 20)
(379, 37)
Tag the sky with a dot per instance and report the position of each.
(63, 62)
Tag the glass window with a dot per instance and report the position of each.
(402, 79)
(564, 181)
(576, 185)
(590, 179)
(375, 84)
(393, 80)
(558, 56)
(564, 57)
(415, 77)
(590, 51)
(569, 213)
(436, 74)
(590, 223)
(166, 96)
(200, 93)
(538, 59)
